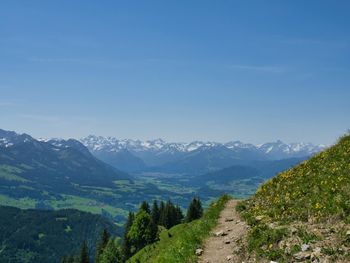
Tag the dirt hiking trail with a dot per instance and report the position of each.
(225, 242)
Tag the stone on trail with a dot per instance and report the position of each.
(220, 233)
(293, 230)
(229, 257)
(227, 241)
(199, 252)
(302, 256)
(305, 247)
(317, 250)
(316, 253)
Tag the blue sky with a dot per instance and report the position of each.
(180, 70)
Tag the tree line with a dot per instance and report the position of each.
(141, 229)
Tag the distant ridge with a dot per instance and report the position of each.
(193, 157)
(276, 150)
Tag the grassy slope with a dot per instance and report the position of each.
(317, 188)
(179, 243)
(314, 192)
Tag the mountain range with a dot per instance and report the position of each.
(54, 162)
(193, 157)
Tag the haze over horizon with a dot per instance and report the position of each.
(254, 72)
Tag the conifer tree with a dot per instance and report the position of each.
(155, 212)
(73, 259)
(84, 253)
(194, 210)
(105, 236)
(172, 215)
(126, 245)
(179, 215)
(169, 215)
(64, 259)
(68, 259)
(145, 206)
(166, 215)
(111, 253)
(161, 220)
(142, 231)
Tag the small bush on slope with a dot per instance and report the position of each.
(313, 195)
(178, 244)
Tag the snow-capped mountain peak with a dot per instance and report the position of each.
(279, 148)
(10, 138)
(239, 144)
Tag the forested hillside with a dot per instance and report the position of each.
(147, 228)
(28, 236)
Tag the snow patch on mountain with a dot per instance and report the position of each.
(10, 138)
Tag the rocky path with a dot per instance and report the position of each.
(225, 243)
